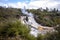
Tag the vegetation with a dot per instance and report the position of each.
(11, 27)
(46, 17)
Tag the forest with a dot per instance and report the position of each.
(11, 27)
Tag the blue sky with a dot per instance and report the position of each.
(13, 1)
(31, 3)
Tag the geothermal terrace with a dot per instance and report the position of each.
(36, 28)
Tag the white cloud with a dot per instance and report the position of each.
(43, 3)
(14, 5)
(34, 4)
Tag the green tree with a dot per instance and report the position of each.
(40, 37)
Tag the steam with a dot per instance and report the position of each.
(26, 13)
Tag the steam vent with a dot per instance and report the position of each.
(28, 19)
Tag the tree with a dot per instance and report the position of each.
(47, 9)
(40, 37)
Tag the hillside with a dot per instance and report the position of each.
(11, 27)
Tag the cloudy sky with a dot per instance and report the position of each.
(31, 3)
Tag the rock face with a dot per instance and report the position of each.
(36, 28)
